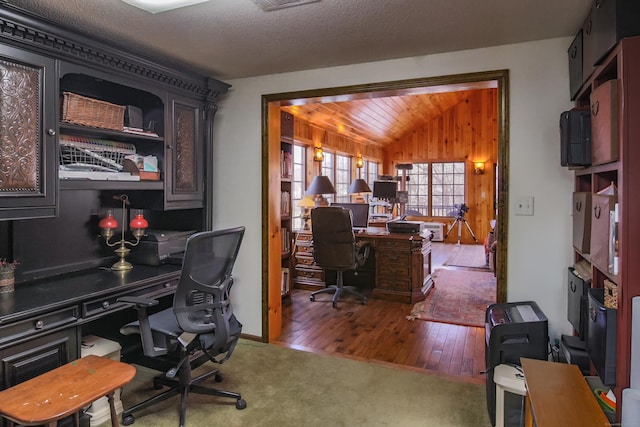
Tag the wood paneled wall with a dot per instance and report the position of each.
(314, 136)
(467, 132)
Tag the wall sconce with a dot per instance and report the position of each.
(359, 162)
(318, 154)
(478, 168)
(109, 223)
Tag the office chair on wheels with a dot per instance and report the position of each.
(335, 248)
(200, 326)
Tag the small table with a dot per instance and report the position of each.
(64, 391)
(558, 396)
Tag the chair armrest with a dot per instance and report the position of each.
(150, 347)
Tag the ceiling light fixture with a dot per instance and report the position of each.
(157, 6)
(270, 5)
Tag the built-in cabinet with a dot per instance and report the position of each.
(49, 213)
(613, 96)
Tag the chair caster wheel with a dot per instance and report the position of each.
(218, 378)
(128, 420)
(364, 301)
(241, 404)
(312, 298)
(334, 304)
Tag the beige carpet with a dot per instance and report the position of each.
(285, 387)
(472, 256)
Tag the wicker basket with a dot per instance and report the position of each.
(80, 110)
(610, 294)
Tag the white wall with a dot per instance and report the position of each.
(539, 250)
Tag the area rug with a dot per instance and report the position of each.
(459, 297)
(472, 256)
(291, 388)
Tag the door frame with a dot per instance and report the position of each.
(271, 255)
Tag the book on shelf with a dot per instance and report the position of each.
(285, 234)
(614, 258)
(139, 131)
(285, 203)
(286, 164)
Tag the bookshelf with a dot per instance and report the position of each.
(286, 175)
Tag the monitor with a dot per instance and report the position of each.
(385, 189)
(359, 213)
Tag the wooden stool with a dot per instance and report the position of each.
(64, 391)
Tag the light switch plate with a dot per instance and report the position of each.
(524, 205)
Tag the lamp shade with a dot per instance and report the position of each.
(108, 222)
(306, 202)
(359, 185)
(321, 184)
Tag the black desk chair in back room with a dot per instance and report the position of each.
(200, 326)
(335, 248)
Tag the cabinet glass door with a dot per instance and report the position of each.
(27, 135)
(184, 154)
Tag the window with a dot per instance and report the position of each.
(418, 188)
(342, 178)
(297, 185)
(370, 172)
(328, 169)
(445, 189)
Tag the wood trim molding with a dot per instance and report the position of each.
(27, 31)
(501, 77)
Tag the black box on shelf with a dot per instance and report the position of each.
(575, 137)
(601, 336)
(133, 117)
(574, 351)
(577, 302)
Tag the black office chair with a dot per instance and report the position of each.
(200, 326)
(335, 248)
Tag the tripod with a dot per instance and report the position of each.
(459, 220)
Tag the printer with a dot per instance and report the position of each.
(160, 246)
(401, 226)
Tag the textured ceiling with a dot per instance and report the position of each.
(230, 39)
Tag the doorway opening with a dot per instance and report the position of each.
(271, 110)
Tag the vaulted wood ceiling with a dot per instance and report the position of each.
(382, 118)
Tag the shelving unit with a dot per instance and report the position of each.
(286, 175)
(616, 147)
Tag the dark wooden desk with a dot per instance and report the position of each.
(398, 269)
(41, 322)
(558, 396)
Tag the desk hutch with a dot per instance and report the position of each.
(49, 224)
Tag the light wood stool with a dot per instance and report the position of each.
(64, 391)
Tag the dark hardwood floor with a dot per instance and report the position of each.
(380, 332)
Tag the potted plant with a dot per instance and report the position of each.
(7, 278)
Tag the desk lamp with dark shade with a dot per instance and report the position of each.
(357, 187)
(320, 185)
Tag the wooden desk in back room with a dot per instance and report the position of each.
(398, 267)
